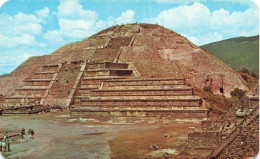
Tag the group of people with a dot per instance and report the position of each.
(30, 133)
(5, 143)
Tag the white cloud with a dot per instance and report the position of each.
(101, 24)
(204, 39)
(75, 23)
(21, 29)
(29, 28)
(72, 9)
(242, 2)
(178, 1)
(43, 13)
(197, 20)
(2, 2)
(11, 58)
(54, 37)
(76, 28)
(25, 40)
(126, 17)
(183, 17)
(26, 18)
(249, 3)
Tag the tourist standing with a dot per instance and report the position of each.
(6, 134)
(0, 146)
(32, 133)
(22, 132)
(8, 145)
(29, 133)
(5, 137)
(4, 146)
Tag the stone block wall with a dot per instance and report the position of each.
(203, 139)
(246, 144)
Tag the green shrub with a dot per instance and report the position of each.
(238, 93)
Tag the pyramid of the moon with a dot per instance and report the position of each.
(127, 70)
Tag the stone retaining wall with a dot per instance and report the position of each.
(246, 144)
(203, 139)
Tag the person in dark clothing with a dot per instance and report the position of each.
(8, 145)
(32, 133)
(22, 132)
(4, 146)
(0, 146)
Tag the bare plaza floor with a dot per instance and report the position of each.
(58, 136)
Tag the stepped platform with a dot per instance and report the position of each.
(98, 79)
(154, 97)
(33, 88)
(143, 92)
(171, 101)
(119, 42)
(105, 54)
(51, 65)
(96, 86)
(172, 113)
(43, 76)
(30, 91)
(39, 80)
(140, 87)
(17, 100)
(50, 68)
(36, 83)
(144, 82)
(107, 72)
(110, 65)
(50, 72)
(25, 110)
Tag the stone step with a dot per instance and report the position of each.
(141, 87)
(107, 65)
(51, 65)
(33, 88)
(50, 68)
(102, 78)
(39, 80)
(119, 42)
(77, 99)
(96, 86)
(126, 106)
(145, 98)
(142, 92)
(15, 112)
(187, 101)
(49, 72)
(174, 113)
(43, 76)
(36, 83)
(108, 72)
(143, 82)
(98, 79)
(17, 100)
(32, 92)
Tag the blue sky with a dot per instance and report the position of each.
(38, 27)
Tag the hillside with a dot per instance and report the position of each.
(239, 53)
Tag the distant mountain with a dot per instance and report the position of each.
(239, 53)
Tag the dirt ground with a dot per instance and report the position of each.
(58, 136)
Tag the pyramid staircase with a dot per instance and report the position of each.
(119, 97)
(34, 89)
(95, 73)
